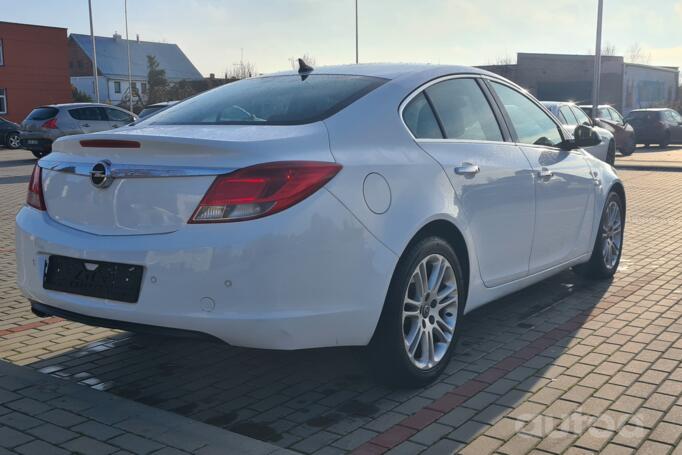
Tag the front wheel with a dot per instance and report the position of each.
(418, 328)
(665, 141)
(13, 141)
(608, 246)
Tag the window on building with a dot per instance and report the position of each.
(134, 86)
(143, 88)
(117, 87)
(3, 101)
(2, 55)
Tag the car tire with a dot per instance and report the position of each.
(665, 141)
(611, 153)
(603, 264)
(13, 141)
(418, 331)
(629, 147)
(39, 154)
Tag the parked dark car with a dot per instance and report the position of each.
(656, 126)
(9, 134)
(45, 124)
(609, 118)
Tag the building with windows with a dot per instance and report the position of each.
(33, 68)
(561, 77)
(112, 66)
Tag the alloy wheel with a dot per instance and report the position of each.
(612, 235)
(430, 311)
(13, 141)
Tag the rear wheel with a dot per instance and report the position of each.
(38, 154)
(417, 331)
(609, 243)
(666, 140)
(629, 147)
(13, 141)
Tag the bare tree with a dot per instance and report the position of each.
(505, 60)
(636, 54)
(241, 70)
(609, 49)
(307, 58)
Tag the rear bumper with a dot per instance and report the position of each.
(36, 141)
(311, 276)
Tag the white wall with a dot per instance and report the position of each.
(107, 90)
(648, 87)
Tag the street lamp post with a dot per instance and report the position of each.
(356, 32)
(94, 53)
(130, 71)
(597, 62)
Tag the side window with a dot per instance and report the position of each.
(568, 115)
(532, 124)
(604, 113)
(615, 115)
(419, 118)
(86, 113)
(580, 115)
(118, 116)
(464, 111)
(676, 116)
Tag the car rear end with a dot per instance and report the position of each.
(649, 126)
(218, 229)
(41, 128)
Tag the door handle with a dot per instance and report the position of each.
(545, 174)
(467, 169)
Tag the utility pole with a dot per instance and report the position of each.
(94, 53)
(597, 63)
(357, 60)
(130, 71)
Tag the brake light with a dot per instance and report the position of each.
(35, 189)
(262, 190)
(51, 124)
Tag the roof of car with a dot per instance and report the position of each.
(390, 70)
(67, 105)
(652, 109)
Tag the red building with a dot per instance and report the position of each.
(34, 68)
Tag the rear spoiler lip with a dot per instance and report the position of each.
(132, 170)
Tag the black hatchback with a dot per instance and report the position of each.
(656, 126)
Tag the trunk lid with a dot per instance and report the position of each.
(157, 186)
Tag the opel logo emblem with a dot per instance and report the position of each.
(100, 175)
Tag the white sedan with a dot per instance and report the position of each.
(363, 205)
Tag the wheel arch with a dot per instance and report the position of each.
(620, 190)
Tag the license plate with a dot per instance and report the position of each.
(32, 142)
(106, 280)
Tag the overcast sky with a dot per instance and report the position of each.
(213, 32)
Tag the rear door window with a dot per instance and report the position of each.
(531, 124)
(43, 113)
(604, 114)
(580, 115)
(615, 115)
(464, 111)
(91, 113)
(420, 119)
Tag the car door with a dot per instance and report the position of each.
(564, 183)
(90, 119)
(676, 129)
(117, 118)
(455, 123)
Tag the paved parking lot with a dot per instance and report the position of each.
(567, 366)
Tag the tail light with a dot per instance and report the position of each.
(50, 124)
(261, 190)
(35, 189)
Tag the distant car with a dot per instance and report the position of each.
(9, 134)
(610, 119)
(656, 126)
(571, 115)
(47, 123)
(153, 109)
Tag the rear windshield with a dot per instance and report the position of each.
(42, 113)
(643, 115)
(150, 110)
(274, 100)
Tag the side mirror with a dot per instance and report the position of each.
(585, 136)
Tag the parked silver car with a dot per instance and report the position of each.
(570, 115)
(47, 123)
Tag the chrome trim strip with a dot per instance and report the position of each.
(129, 171)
